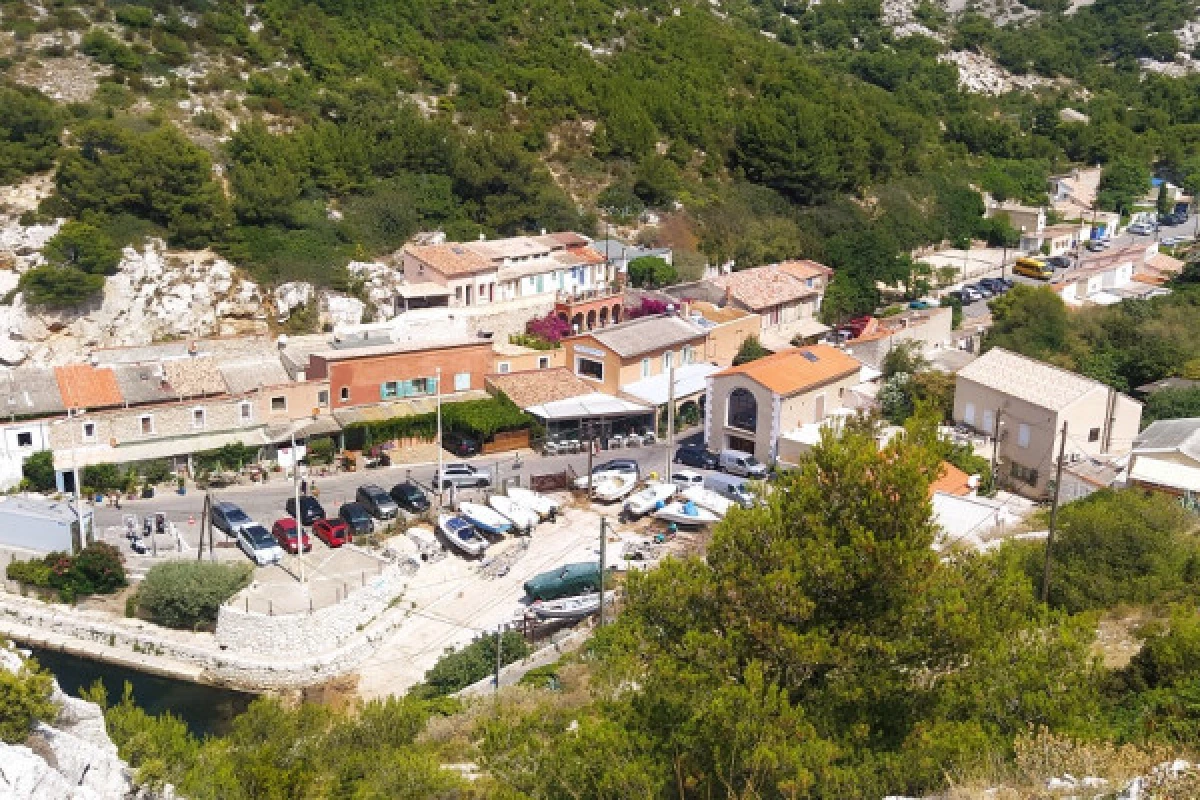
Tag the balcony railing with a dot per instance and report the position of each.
(586, 295)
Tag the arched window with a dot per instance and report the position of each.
(742, 410)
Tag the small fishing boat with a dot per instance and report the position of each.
(708, 499)
(461, 534)
(582, 481)
(485, 519)
(612, 486)
(540, 504)
(652, 497)
(522, 518)
(685, 513)
(577, 607)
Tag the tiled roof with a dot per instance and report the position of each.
(1164, 263)
(536, 387)
(450, 259)
(85, 386)
(763, 287)
(193, 377)
(142, 383)
(564, 239)
(805, 269)
(27, 391)
(1027, 379)
(792, 371)
(246, 375)
(951, 480)
(647, 334)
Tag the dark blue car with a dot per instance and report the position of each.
(696, 456)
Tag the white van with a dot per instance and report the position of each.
(735, 489)
(735, 462)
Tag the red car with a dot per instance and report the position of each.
(284, 532)
(332, 532)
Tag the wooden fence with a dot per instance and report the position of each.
(504, 441)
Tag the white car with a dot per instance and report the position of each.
(259, 545)
(686, 479)
(462, 475)
(1170, 241)
(1140, 229)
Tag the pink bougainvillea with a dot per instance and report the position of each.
(550, 327)
(647, 308)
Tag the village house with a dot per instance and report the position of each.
(1131, 272)
(786, 295)
(1166, 458)
(749, 407)
(1022, 404)
(930, 329)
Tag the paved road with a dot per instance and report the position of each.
(265, 502)
(1185, 232)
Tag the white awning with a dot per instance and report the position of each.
(1165, 473)
(161, 448)
(595, 404)
(690, 379)
(423, 289)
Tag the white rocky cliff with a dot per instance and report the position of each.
(71, 759)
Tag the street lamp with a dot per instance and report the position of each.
(438, 387)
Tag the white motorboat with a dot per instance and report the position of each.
(461, 534)
(582, 481)
(612, 486)
(485, 519)
(708, 499)
(522, 518)
(685, 513)
(571, 607)
(540, 504)
(653, 496)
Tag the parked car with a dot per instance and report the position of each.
(736, 462)
(983, 291)
(733, 488)
(310, 509)
(460, 444)
(332, 532)
(284, 531)
(694, 455)
(1170, 241)
(618, 465)
(686, 479)
(377, 502)
(462, 475)
(356, 518)
(229, 517)
(1140, 229)
(1058, 262)
(1096, 245)
(565, 581)
(994, 285)
(921, 305)
(410, 497)
(259, 545)
(969, 295)
(1036, 268)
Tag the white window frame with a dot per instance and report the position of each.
(503, 367)
(282, 397)
(323, 398)
(462, 381)
(989, 420)
(543, 362)
(83, 431)
(142, 420)
(1023, 435)
(645, 368)
(198, 413)
(969, 414)
(245, 411)
(579, 363)
(24, 433)
(686, 355)
(344, 395)
(668, 358)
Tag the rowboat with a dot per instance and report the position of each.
(521, 517)
(540, 504)
(485, 519)
(582, 605)
(708, 499)
(653, 496)
(612, 486)
(685, 513)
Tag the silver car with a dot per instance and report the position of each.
(259, 545)
(462, 476)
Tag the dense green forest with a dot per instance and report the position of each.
(358, 123)
(821, 649)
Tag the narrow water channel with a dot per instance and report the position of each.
(204, 709)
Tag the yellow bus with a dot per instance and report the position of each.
(1034, 268)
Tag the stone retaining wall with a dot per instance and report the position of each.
(307, 634)
(320, 646)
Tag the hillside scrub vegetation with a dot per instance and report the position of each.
(188, 594)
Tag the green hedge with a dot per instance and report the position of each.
(480, 418)
(188, 594)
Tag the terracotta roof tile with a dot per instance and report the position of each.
(805, 269)
(85, 386)
(194, 377)
(951, 480)
(536, 387)
(763, 287)
(450, 259)
(791, 371)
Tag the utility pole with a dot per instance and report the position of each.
(670, 417)
(603, 559)
(440, 480)
(1062, 449)
(995, 445)
(499, 644)
(299, 511)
